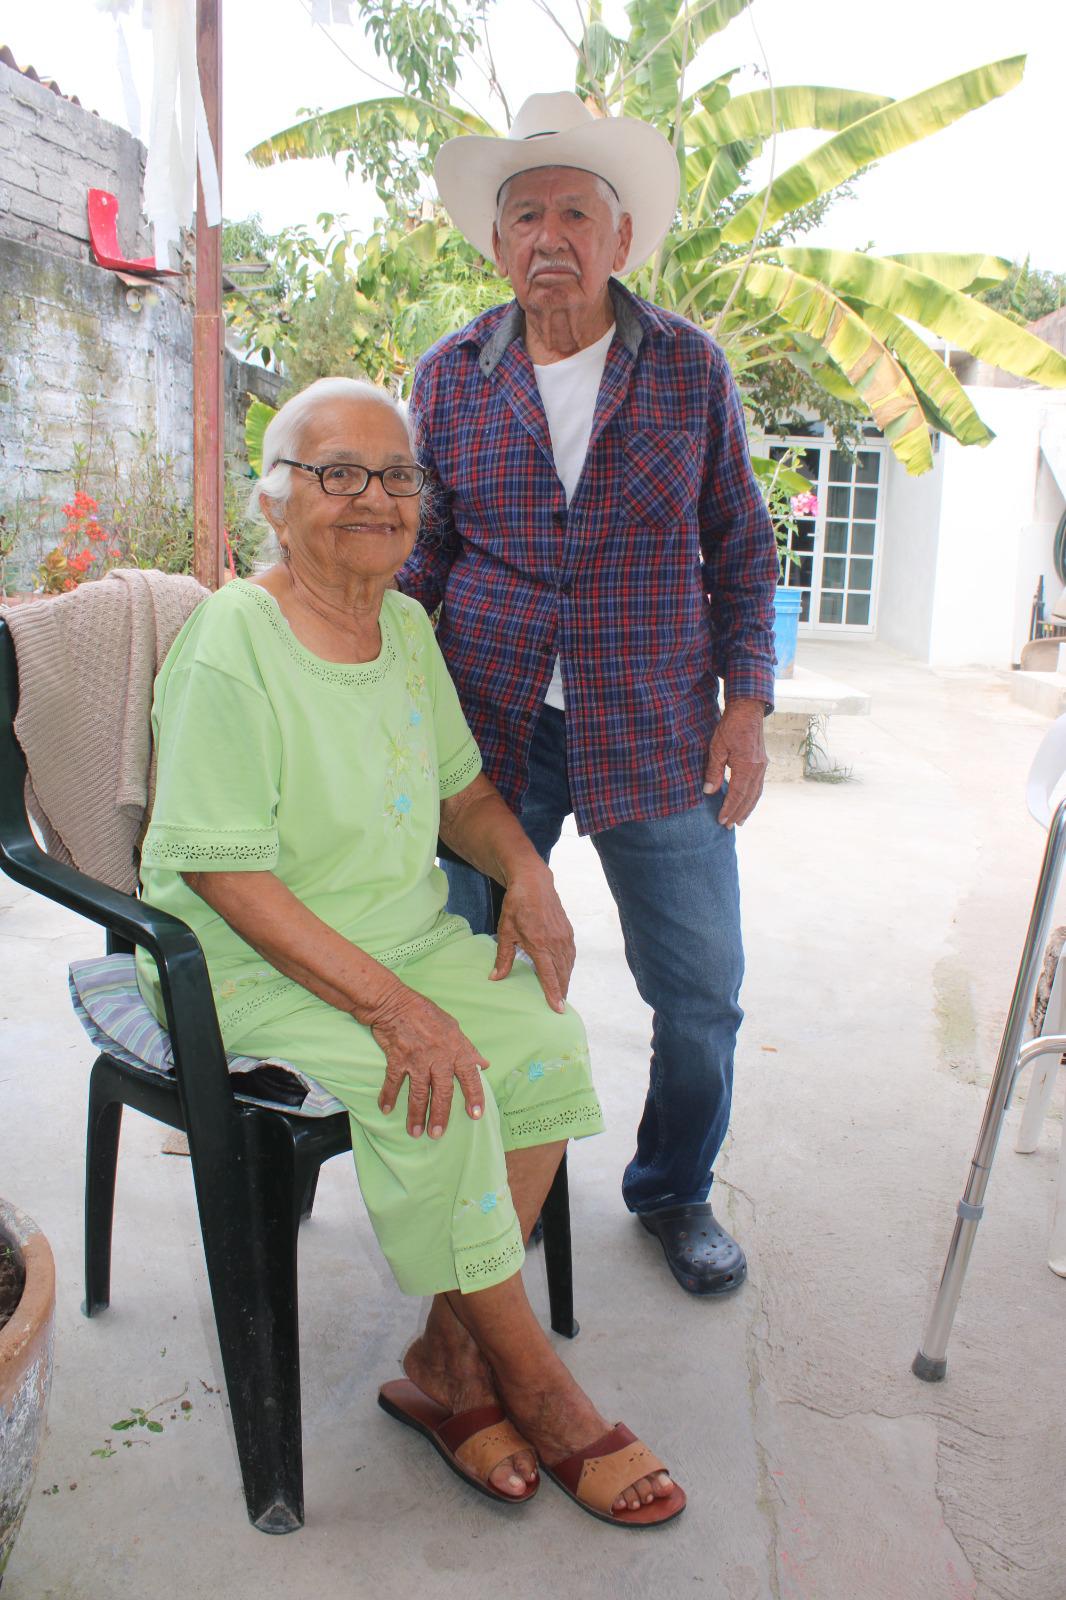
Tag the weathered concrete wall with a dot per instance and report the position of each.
(84, 358)
(51, 153)
(74, 355)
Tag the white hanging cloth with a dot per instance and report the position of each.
(179, 141)
(325, 12)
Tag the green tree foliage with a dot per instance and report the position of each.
(828, 330)
(1025, 294)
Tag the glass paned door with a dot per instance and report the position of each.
(832, 557)
(847, 565)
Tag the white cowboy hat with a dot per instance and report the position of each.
(558, 130)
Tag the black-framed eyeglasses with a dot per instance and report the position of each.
(343, 477)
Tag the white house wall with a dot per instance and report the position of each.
(911, 521)
(994, 538)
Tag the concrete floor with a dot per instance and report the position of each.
(884, 918)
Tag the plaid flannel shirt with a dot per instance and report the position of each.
(656, 581)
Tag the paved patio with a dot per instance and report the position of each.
(884, 918)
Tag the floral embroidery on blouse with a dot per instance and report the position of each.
(232, 986)
(536, 1069)
(408, 757)
(488, 1202)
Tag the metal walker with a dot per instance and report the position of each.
(1049, 764)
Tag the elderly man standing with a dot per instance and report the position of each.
(593, 489)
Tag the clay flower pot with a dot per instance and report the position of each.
(25, 1371)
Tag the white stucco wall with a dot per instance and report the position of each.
(995, 534)
(910, 539)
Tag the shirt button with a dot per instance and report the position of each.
(560, 519)
(566, 588)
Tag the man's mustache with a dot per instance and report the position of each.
(552, 265)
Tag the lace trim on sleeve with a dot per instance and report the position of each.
(462, 775)
(184, 850)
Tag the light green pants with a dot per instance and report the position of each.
(441, 1208)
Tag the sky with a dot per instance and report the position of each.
(992, 182)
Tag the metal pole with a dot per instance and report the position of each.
(931, 1361)
(208, 331)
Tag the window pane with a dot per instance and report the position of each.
(862, 539)
(839, 467)
(805, 606)
(866, 503)
(808, 464)
(804, 541)
(833, 572)
(868, 466)
(803, 571)
(839, 502)
(861, 575)
(859, 608)
(836, 537)
(832, 608)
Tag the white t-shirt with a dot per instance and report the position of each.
(568, 391)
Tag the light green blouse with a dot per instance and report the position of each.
(331, 776)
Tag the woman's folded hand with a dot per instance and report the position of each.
(426, 1045)
(533, 917)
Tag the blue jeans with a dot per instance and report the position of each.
(674, 881)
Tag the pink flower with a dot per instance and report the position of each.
(804, 505)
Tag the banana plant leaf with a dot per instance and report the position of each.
(759, 114)
(255, 425)
(944, 400)
(970, 273)
(328, 131)
(662, 34)
(895, 126)
(808, 356)
(968, 323)
(870, 368)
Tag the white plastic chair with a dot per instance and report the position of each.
(1049, 766)
(1045, 774)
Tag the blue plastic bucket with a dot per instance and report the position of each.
(786, 620)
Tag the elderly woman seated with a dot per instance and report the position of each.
(311, 747)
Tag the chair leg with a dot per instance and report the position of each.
(1041, 1086)
(308, 1202)
(250, 1240)
(1056, 1257)
(101, 1162)
(558, 1260)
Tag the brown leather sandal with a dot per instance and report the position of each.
(471, 1443)
(595, 1477)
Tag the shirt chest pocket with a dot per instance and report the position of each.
(661, 472)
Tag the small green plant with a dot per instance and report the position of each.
(818, 765)
(142, 1417)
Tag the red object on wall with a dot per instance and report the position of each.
(103, 239)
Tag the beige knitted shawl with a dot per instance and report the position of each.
(87, 663)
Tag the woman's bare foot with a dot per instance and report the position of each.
(447, 1365)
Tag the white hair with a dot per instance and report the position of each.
(283, 433)
(603, 189)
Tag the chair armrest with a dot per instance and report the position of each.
(199, 1058)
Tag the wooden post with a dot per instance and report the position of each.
(208, 328)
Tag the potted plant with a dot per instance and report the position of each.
(27, 1324)
(789, 500)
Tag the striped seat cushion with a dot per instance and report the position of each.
(109, 1006)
